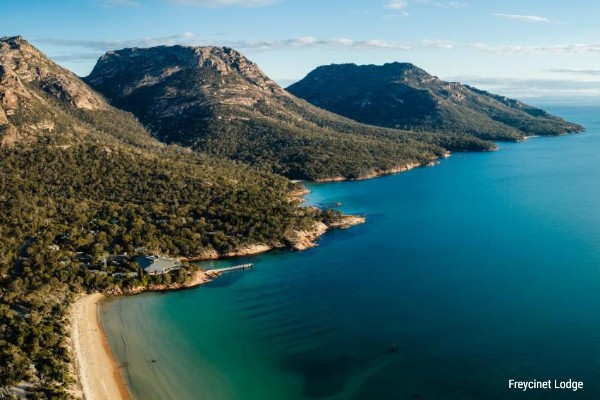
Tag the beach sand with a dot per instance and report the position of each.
(96, 366)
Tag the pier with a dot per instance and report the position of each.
(219, 271)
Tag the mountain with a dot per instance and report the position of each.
(217, 101)
(81, 183)
(400, 95)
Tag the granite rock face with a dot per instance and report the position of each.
(32, 91)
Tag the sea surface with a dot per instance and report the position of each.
(482, 269)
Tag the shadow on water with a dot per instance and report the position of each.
(327, 373)
(227, 279)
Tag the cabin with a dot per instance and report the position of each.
(155, 265)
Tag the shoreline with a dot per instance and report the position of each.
(392, 171)
(97, 369)
(98, 373)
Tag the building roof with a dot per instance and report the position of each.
(155, 264)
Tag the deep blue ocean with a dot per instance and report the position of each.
(482, 269)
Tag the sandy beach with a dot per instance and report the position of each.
(97, 369)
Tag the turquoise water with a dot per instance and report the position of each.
(482, 269)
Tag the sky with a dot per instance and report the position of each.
(520, 48)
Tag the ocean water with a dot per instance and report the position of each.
(482, 269)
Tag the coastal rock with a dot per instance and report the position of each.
(302, 240)
(347, 221)
(249, 250)
(208, 254)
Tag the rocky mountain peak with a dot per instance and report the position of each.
(154, 65)
(31, 89)
(22, 67)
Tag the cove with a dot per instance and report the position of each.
(482, 269)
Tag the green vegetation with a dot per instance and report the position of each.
(79, 187)
(56, 203)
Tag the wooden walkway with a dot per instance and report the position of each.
(228, 269)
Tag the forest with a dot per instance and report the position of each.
(57, 203)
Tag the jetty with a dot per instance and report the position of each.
(219, 271)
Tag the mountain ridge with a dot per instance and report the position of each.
(404, 96)
(217, 101)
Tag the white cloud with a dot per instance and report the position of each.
(532, 88)
(523, 18)
(104, 45)
(223, 3)
(593, 72)
(593, 48)
(310, 42)
(100, 46)
(396, 5)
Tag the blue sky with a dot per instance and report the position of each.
(520, 48)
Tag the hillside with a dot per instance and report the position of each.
(217, 101)
(400, 95)
(81, 183)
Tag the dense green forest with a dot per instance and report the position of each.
(82, 183)
(56, 203)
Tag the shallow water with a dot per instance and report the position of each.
(482, 269)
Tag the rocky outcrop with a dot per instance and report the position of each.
(23, 65)
(197, 278)
(346, 221)
(302, 240)
(249, 250)
(31, 87)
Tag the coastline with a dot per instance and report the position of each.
(97, 369)
(375, 174)
(98, 373)
(298, 240)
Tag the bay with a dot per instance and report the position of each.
(482, 269)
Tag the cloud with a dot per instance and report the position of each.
(593, 48)
(104, 45)
(396, 5)
(593, 72)
(92, 49)
(403, 4)
(532, 88)
(523, 18)
(312, 42)
(223, 3)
